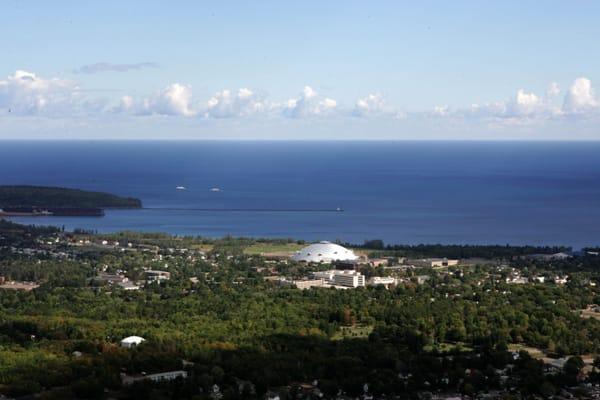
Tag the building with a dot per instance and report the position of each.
(15, 285)
(308, 283)
(346, 278)
(160, 377)
(379, 262)
(157, 276)
(132, 341)
(128, 286)
(382, 280)
(111, 278)
(324, 252)
(442, 262)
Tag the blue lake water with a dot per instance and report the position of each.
(401, 192)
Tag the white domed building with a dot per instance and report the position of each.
(324, 252)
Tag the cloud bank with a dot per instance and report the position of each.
(25, 94)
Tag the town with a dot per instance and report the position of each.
(155, 316)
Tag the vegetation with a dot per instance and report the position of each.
(455, 251)
(456, 333)
(56, 197)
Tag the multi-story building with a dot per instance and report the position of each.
(345, 278)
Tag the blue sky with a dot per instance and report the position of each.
(300, 70)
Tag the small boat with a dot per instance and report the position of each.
(181, 188)
(339, 209)
(215, 189)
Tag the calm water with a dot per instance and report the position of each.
(402, 192)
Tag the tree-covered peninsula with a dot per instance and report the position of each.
(58, 197)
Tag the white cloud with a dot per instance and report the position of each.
(553, 90)
(523, 107)
(524, 104)
(371, 104)
(580, 97)
(127, 103)
(175, 99)
(441, 111)
(307, 104)
(225, 104)
(25, 93)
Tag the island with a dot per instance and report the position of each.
(18, 200)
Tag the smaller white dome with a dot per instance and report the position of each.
(324, 252)
(132, 341)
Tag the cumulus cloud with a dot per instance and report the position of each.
(371, 104)
(225, 104)
(525, 104)
(579, 101)
(25, 93)
(175, 99)
(108, 67)
(308, 103)
(580, 97)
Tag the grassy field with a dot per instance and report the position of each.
(203, 247)
(272, 248)
(533, 351)
(446, 347)
(353, 332)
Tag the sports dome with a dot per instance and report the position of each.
(324, 252)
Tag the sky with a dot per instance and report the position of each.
(348, 70)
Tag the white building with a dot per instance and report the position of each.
(132, 341)
(128, 286)
(345, 278)
(160, 377)
(382, 280)
(442, 262)
(324, 252)
(308, 283)
(157, 276)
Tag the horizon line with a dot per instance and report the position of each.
(540, 140)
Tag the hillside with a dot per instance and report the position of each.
(56, 197)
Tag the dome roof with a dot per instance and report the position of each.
(133, 339)
(324, 252)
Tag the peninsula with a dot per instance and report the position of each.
(46, 200)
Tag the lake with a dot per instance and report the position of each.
(542, 193)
